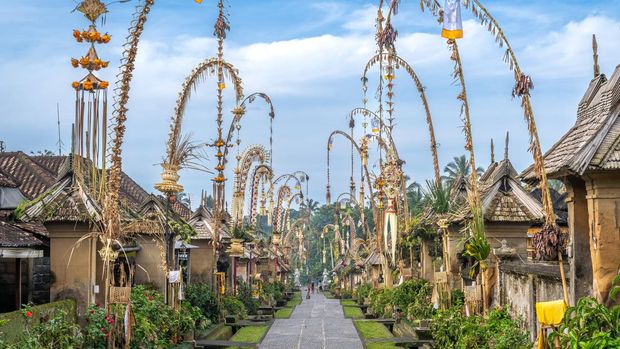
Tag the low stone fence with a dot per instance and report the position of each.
(13, 329)
(522, 284)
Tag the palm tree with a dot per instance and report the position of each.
(458, 167)
(438, 197)
(415, 198)
(308, 207)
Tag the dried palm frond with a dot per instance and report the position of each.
(549, 242)
(222, 25)
(523, 86)
(91, 9)
(199, 74)
(394, 6)
(189, 154)
(387, 37)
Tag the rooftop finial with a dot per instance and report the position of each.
(492, 152)
(506, 146)
(597, 68)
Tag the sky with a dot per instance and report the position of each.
(308, 56)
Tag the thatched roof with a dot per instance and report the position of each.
(201, 221)
(593, 143)
(504, 199)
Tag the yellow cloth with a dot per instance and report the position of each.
(549, 314)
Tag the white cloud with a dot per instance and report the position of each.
(567, 52)
(314, 82)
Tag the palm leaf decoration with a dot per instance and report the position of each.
(189, 154)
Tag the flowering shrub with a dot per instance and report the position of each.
(381, 302)
(273, 292)
(244, 294)
(54, 331)
(98, 327)
(158, 324)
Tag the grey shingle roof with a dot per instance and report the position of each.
(593, 142)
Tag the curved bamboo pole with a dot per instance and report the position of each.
(283, 193)
(488, 21)
(255, 153)
(261, 172)
(429, 120)
(199, 74)
(360, 207)
(386, 130)
(287, 216)
(111, 214)
(523, 84)
(239, 113)
(360, 153)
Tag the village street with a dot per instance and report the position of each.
(317, 322)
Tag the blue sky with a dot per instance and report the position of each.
(308, 56)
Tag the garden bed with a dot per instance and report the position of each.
(369, 330)
(351, 309)
(250, 334)
(287, 310)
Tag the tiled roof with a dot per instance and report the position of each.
(34, 175)
(6, 181)
(592, 142)
(12, 235)
(31, 178)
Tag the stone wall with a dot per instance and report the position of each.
(41, 280)
(523, 284)
(35, 282)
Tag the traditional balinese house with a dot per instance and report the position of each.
(24, 248)
(587, 160)
(150, 243)
(24, 274)
(373, 268)
(511, 214)
(61, 211)
(202, 257)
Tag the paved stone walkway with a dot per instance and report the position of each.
(315, 323)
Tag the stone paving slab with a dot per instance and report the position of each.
(315, 323)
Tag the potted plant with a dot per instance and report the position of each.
(239, 236)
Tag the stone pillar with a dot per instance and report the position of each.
(603, 196)
(580, 262)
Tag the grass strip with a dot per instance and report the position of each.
(372, 330)
(249, 334)
(284, 313)
(352, 312)
(381, 345)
